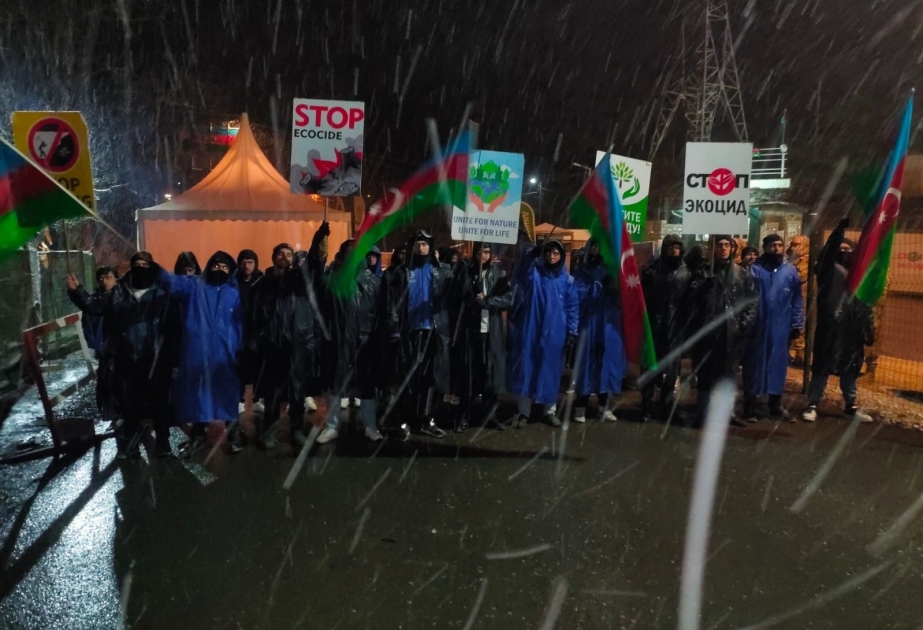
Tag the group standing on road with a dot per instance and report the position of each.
(436, 339)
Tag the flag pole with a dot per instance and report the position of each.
(67, 248)
(326, 204)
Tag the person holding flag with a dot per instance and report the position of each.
(598, 209)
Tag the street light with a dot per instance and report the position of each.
(533, 180)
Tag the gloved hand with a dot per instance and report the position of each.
(843, 224)
(793, 334)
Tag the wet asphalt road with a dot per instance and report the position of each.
(419, 535)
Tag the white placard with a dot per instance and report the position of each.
(716, 193)
(491, 213)
(327, 147)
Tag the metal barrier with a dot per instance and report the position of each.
(64, 431)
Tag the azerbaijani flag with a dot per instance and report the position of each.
(598, 209)
(443, 181)
(869, 271)
(29, 200)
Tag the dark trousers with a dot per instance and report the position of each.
(417, 367)
(142, 392)
(667, 382)
(477, 380)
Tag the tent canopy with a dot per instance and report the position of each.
(243, 203)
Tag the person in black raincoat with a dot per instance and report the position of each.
(134, 319)
(662, 296)
(283, 335)
(727, 289)
(748, 256)
(844, 327)
(92, 308)
(187, 265)
(248, 272)
(416, 318)
(389, 348)
(350, 354)
(480, 339)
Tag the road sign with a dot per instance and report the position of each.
(58, 143)
(716, 197)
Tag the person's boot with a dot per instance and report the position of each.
(776, 410)
(235, 439)
(463, 422)
(429, 428)
(552, 419)
(749, 412)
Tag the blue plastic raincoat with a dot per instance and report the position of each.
(207, 386)
(781, 310)
(600, 360)
(545, 311)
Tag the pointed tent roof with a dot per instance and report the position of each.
(242, 184)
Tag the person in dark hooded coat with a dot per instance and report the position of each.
(389, 346)
(844, 327)
(542, 323)
(416, 318)
(187, 265)
(350, 353)
(748, 256)
(600, 361)
(663, 296)
(727, 289)
(480, 339)
(779, 319)
(207, 385)
(92, 308)
(283, 322)
(248, 272)
(133, 323)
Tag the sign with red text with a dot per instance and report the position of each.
(327, 147)
(716, 191)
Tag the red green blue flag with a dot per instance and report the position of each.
(29, 200)
(868, 274)
(441, 182)
(598, 209)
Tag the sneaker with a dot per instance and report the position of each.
(299, 438)
(267, 441)
(463, 423)
(355, 402)
(553, 420)
(810, 414)
(309, 404)
(580, 415)
(241, 408)
(737, 422)
(327, 435)
(190, 447)
(855, 412)
(608, 416)
(344, 403)
(235, 441)
(373, 434)
(430, 429)
(259, 407)
(403, 433)
(519, 421)
(778, 411)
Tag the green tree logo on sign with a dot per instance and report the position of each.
(488, 185)
(623, 174)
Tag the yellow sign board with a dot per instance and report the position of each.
(527, 220)
(58, 143)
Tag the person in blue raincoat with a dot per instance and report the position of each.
(779, 319)
(207, 385)
(543, 321)
(600, 357)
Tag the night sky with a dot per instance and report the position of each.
(589, 72)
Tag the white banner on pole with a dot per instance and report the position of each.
(716, 195)
(327, 147)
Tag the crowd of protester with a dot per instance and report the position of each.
(433, 341)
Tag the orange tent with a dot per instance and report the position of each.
(242, 204)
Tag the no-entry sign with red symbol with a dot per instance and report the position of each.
(716, 197)
(58, 143)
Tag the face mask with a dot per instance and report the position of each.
(142, 277)
(843, 258)
(216, 277)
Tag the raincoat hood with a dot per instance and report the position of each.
(418, 261)
(185, 260)
(668, 241)
(377, 269)
(550, 245)
(248, 254)
(224, 258)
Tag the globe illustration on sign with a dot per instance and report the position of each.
(488, 185)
